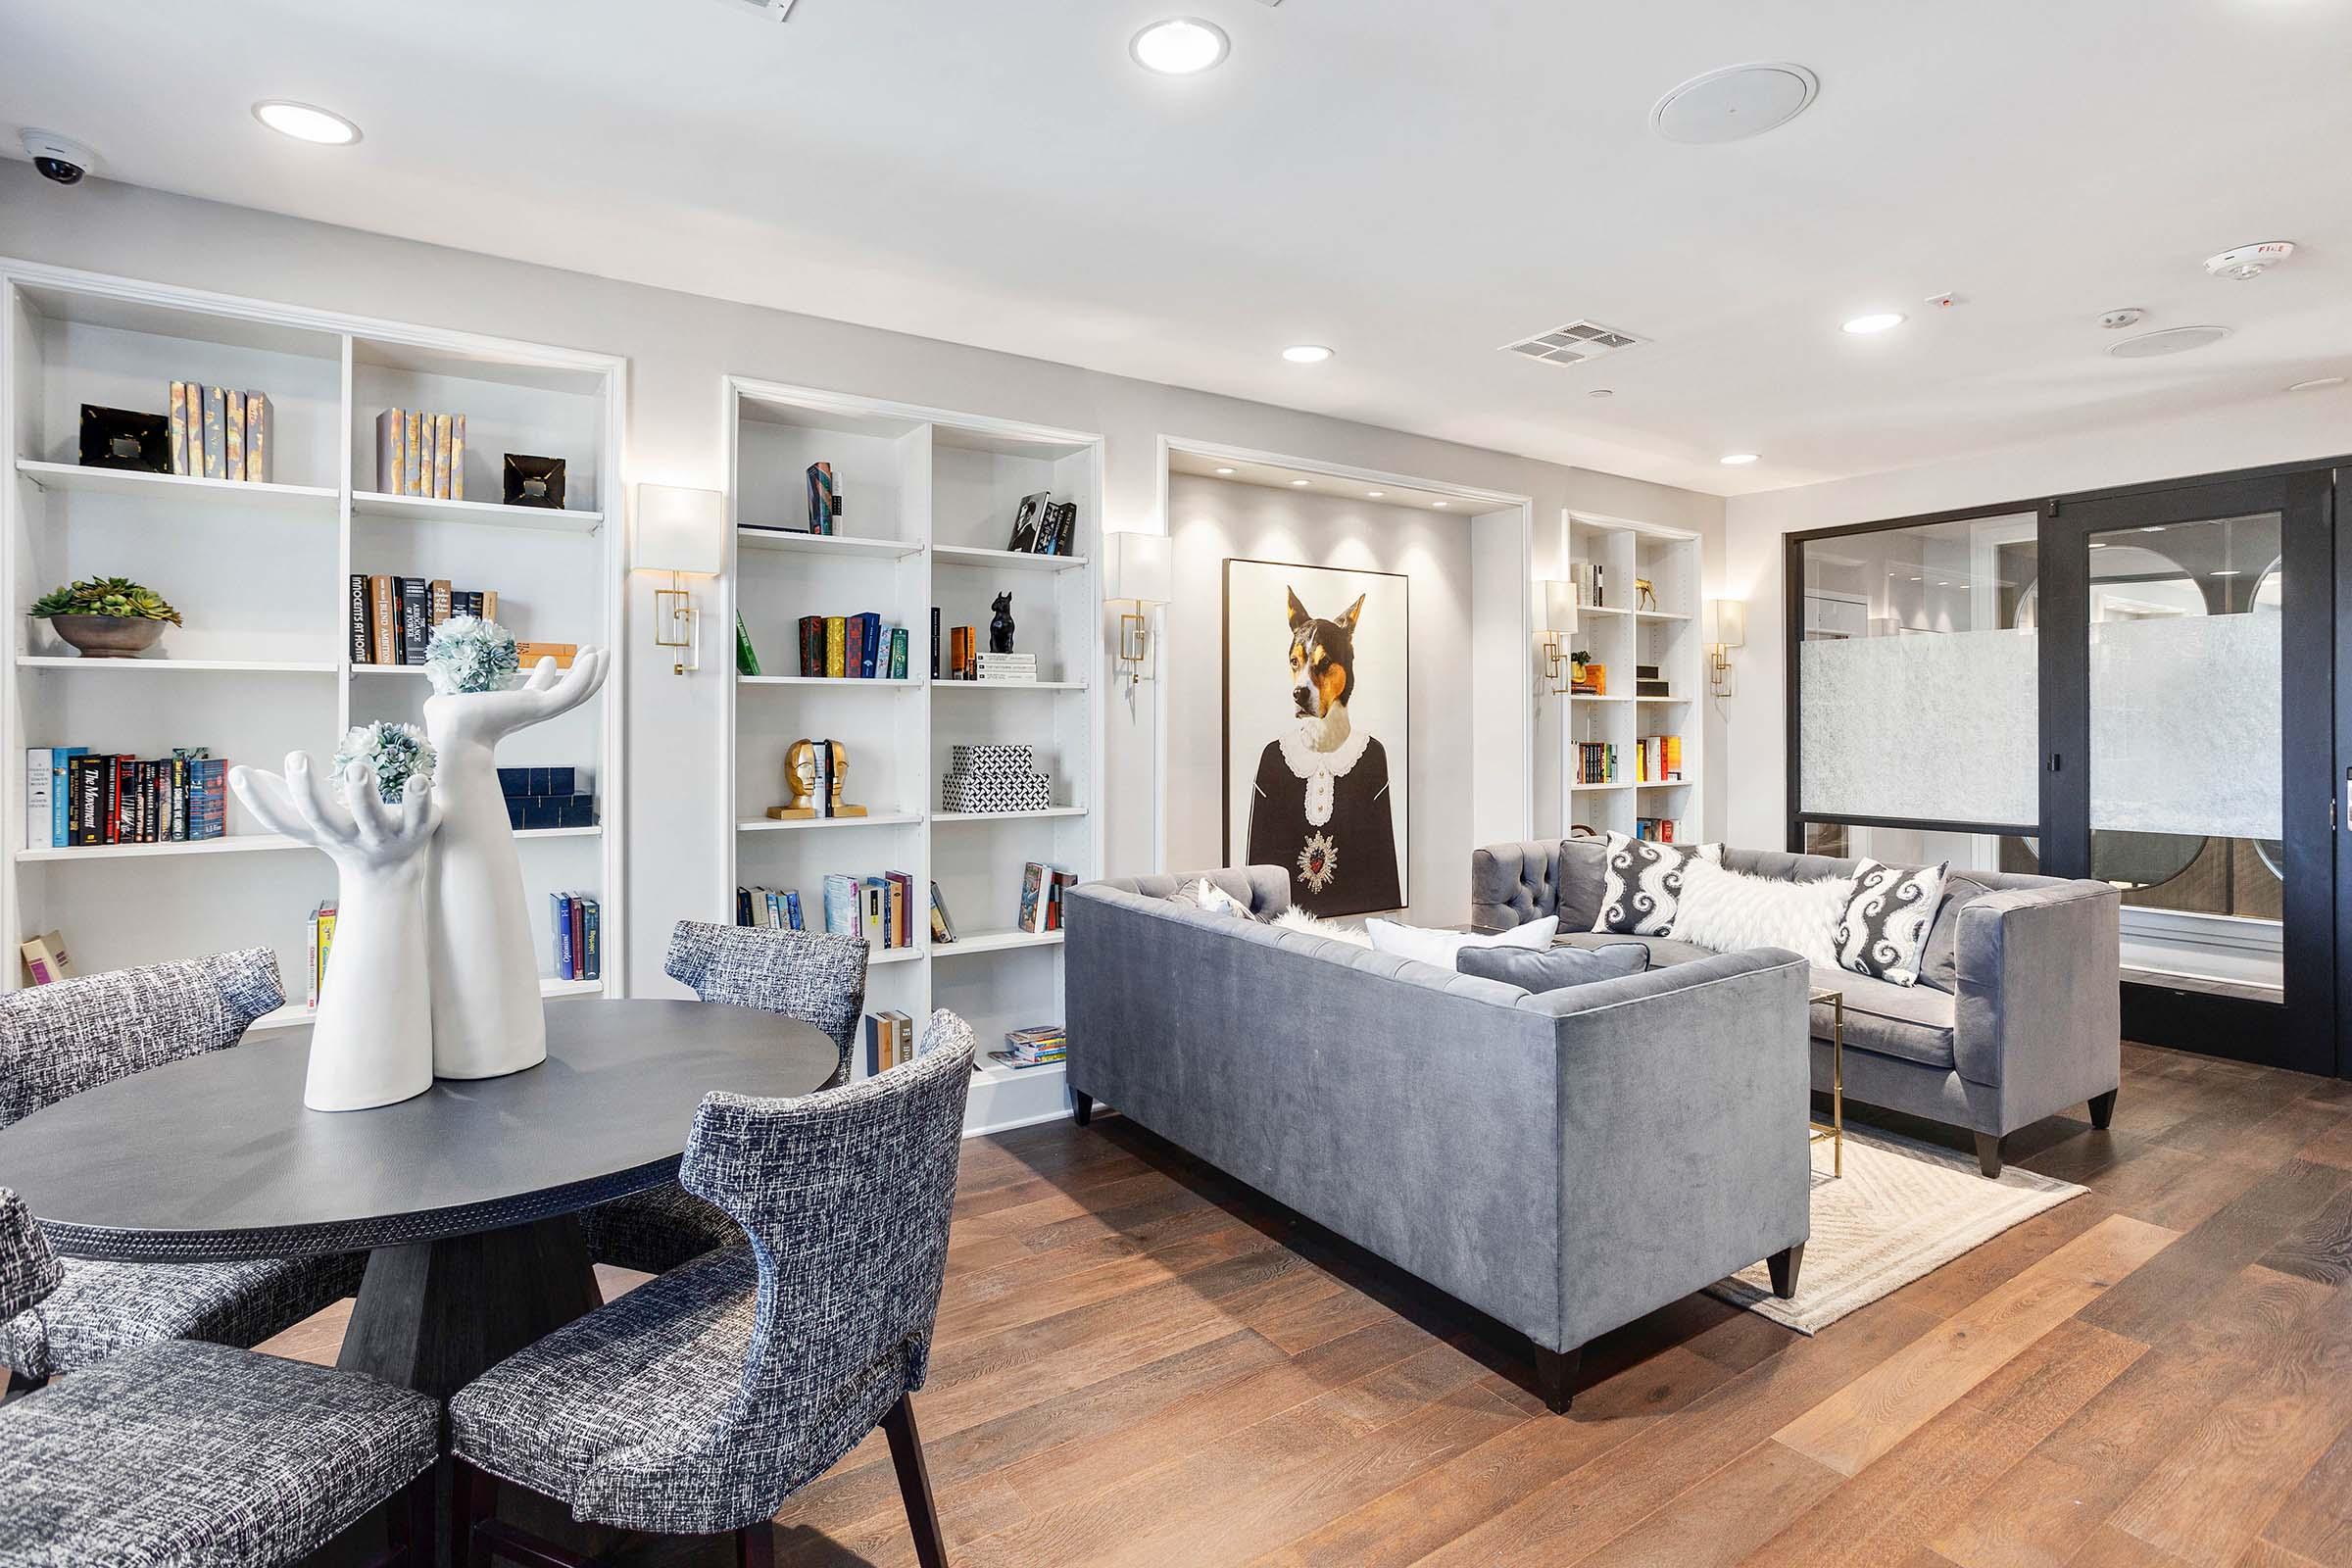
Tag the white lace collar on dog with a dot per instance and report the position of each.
(1321, 770)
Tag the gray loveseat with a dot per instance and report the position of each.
(1564, 1162)
(2031, 1024)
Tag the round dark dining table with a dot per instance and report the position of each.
(464, 1197)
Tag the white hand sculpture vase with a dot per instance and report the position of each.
(486, 1009)
(372, 1043)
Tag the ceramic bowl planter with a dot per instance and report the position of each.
(107, 636)
(372, 1044)
(487, 1011)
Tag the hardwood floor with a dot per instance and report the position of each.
(1139, 1364)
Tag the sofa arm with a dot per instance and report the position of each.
(1684, 1095)
(1513, 884)
(2039, 1008)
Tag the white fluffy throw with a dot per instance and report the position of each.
(1731, 911)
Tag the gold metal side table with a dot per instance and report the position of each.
(1836, 1130)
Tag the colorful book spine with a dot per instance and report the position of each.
(836, 645)
(411, 461)
(415, 626)
(257, 437)
(443, 434)
(869, 638)
(852, 645)
(232, 438)
(216, 433)
(391, 451)
(841, 905)
(560, 909)
(383, 605)
(179, 428)
(38, 807)
(792, 910)
(439, 609)
(898, 653)
(456, 457)
(812, 645)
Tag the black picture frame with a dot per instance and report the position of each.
(533, 481)
(124, 438)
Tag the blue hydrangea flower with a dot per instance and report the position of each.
(468, 654)
(398, 754)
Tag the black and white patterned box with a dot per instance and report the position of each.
(996, 792)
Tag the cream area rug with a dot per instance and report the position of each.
(1903, 1209)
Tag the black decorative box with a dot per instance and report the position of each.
(118, 438)
(551, 810)
(535, 781)
(534, 481)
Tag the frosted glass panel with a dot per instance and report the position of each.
(1917, 678)
(2185, 727)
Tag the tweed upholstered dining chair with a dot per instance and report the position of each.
(60, 1039)
(697, 1404)
(815, 978)
(190, 1454)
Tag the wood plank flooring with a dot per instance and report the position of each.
(1141, 1364)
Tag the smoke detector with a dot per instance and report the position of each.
(2249, 260)
(2128, 315)
(1573, 344)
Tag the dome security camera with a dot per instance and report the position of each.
(59, 158)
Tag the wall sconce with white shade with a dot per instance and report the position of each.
(683, 532)
(1559, 624)
(1726, 629)
(1139, 569)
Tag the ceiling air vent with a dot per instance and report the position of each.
(1572, 344)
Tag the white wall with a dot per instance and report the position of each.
(1213, 520)
(2288, 427)
(679, 347)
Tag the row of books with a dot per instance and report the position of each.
(1662, 829)
(392, 619)
(889, 1040)
(1590, 580)
(1042, 886)
(781, 909)
(1045, 526)
(853, 647)
(1038, 1047)
(1658, 759)
(323, 943)
(578, 921)
(420, 454)
(219, 433)
(74, 800)
(1595, 762)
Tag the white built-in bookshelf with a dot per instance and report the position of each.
(261, 573)
(928, 501)
(1623, 632)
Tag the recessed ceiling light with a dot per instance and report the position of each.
(1915, 579)
(1739, 459)
(305, 122)
(1182, 46)
(1224, 471)
(1376, 493)
(1301, 481)
(2317, 382)
(1442, 504)
(1876, 321)
(1306, 354)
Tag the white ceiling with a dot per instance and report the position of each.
(1413, 183)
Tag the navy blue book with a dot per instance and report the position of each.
(871, 649)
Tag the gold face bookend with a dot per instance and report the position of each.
(802, 782)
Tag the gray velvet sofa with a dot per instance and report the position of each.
(2030, 1025)
(1564, 1162)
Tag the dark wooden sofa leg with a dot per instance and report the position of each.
(2102, 1109)
(472, 1499)
(756, 1545)
(1988, 1154)
(1082, 1108)
(410, 1521)
(1556, 1376)
(1786, 1265)
(914, 1482)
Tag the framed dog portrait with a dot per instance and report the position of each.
(1317, 671)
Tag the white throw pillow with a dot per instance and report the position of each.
(1297, 919)
(1642, 880)
(1884, 927)
(1216, 901)
(1731, 912)
(1439, 947)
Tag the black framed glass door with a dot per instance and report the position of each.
(2188, 651)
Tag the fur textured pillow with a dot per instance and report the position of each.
(1731, 912)
(1642, 880)
(1439, 947)
(1884, 927)
(1297, 919)
(1207, 896)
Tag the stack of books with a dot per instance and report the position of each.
(579, 940)
(844, 646)
(74, 800)
(1042, 886)
(420, 454)
(889, 1040)
(217, 433)
(1595, 762)
(1039, 1047)
(1005, 670)
(1658, 759)
(322, 942)
(392, 619)
(546, 796)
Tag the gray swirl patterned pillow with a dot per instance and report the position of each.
(1643, 884)
(1885, 928)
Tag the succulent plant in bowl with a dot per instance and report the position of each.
(106, 617)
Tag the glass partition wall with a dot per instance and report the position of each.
(2136, 686)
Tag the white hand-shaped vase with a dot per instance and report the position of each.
(372, 1043)
(486, 1009)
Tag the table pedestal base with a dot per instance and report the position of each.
(435, 1315)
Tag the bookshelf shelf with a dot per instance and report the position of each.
(996, 1074)
(187, 667)
(855, 682)
(67, 479)
(485, 513)
(1659, 614)
(847, 545)
(994, 942)
(1010, 560)
(770, 824)
(1586, 697)
(934, 494)
(1595, 789)
(262, 574)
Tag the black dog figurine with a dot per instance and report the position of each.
(1000, 625)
